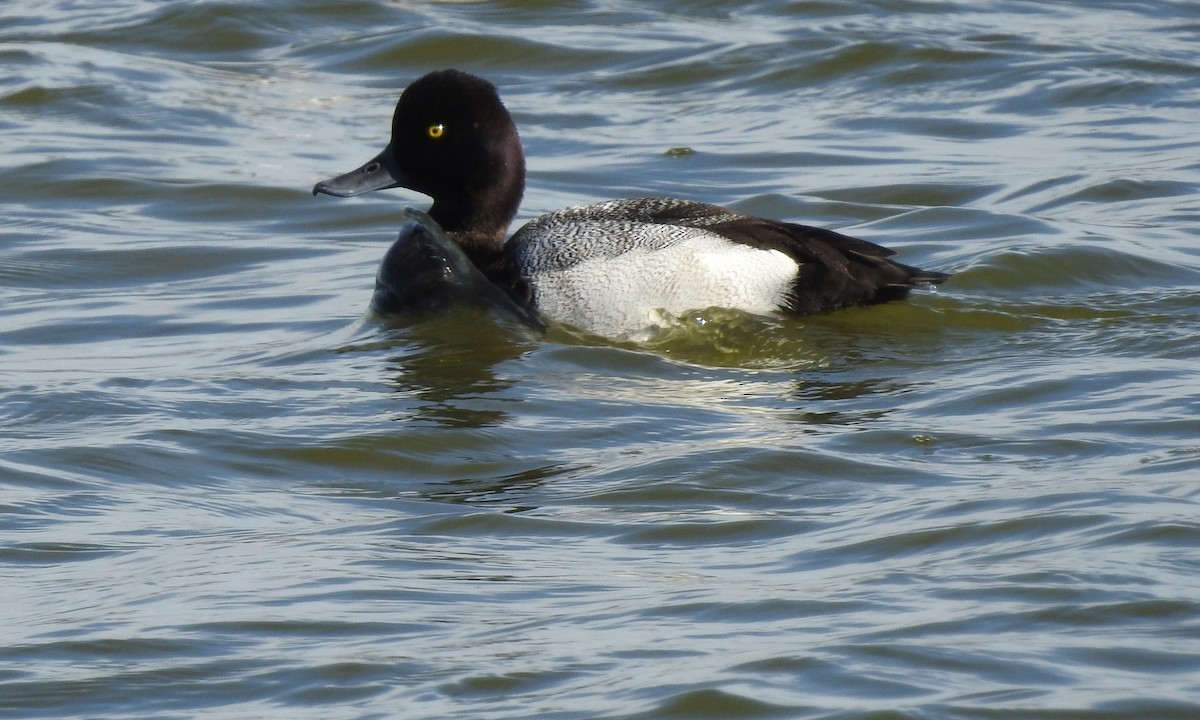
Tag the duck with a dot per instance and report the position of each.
(615, 268)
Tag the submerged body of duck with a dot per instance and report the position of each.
(616, 267)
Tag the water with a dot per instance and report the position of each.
(226, 493)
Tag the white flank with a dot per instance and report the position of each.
(628, 293)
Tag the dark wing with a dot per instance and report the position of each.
(836, 270)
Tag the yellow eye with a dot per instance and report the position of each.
(436, 131)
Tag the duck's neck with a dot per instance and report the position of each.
(471, 225)
(479, 233)
(478, 217)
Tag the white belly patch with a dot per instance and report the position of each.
(629, 292)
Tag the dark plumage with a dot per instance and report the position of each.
(426, 271)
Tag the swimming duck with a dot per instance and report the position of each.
(611, 268)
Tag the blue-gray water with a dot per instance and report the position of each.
(225, 493)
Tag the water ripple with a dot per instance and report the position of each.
(225, 491)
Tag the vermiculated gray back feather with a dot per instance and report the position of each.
(835, 270)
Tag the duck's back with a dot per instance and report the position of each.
(612, 267)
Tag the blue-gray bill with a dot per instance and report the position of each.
(379, 173)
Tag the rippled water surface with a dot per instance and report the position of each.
(225, 492)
